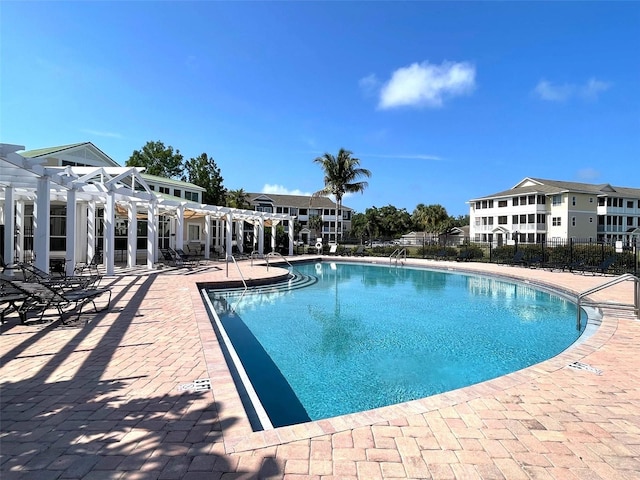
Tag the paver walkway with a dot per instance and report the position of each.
(111, 400)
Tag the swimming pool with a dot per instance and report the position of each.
(356, 336)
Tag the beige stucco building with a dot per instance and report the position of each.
(537, 210)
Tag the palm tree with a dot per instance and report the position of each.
(430, 217)
(341, 176)
(238, 199)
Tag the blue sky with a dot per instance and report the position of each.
(443, 102)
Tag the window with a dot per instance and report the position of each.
(193, 232)
(523, 219)
(557, 200)
(152, 187)
(573, 221)
(523, 200)
(502, 203)
(542, 200)
(177, 192)
(573, 201)
(590, 199)
(484, 204)
(532, 199)
(629, 203)
(193, 196)
(514, 219)
(303, 211)
(630, 221)
(555, 221)
(590, 219)
(531, 218)
(541, 218)
(502, 220)
(490, 203)
(58, 228)
(164, 190)
(515, 201)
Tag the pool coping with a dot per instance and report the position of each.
(240, 437)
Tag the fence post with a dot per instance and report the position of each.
(571, 260)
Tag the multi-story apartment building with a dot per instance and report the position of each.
(537, 210)
(305, 208)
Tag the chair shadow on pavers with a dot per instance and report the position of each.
(66, 413)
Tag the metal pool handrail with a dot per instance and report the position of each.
(397, 253)
(239, 271)
(622, 278)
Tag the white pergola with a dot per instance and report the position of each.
(24, 180)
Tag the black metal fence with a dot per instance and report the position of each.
(572, 254)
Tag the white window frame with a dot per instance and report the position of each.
(190, 237)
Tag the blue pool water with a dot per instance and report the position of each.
(366, 336)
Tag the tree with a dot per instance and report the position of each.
(394, 222)
(238, 199)
(341, 176)
(431, 218)
(204, 172)
(158, 160)
(373, 222)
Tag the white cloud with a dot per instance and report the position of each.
(426, 85)
(593, 88)
(282, 190)
(99, 133)
(369, 84)
(561, 93)
(588, 174)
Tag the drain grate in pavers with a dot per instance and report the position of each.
(585, 367)
(200, 385)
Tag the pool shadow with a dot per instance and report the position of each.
(276, 395)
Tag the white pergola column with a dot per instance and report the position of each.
(41, 226)
(207, 235)
(180, 227)
(19, 246)
(273, 235)
(261, 235)
(91, 230)
(9, 226)
(255, 235)
(152, 234)
(132, 234)
(228, 247)
(72, 221)
(290, 236)
(109, 233)
(240, 235)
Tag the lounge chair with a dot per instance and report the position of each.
(10, 296)
(464, 256)
(536, 261)
(189, 260)
(169, 258)
(219, 252)
(91, 266)
(601, 268)
(517, 259)
(4, 266)
(42, 296)
(359, 251)
(441, 254)
(333, 249)
(33, 274)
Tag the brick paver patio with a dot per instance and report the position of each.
(102, 401)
